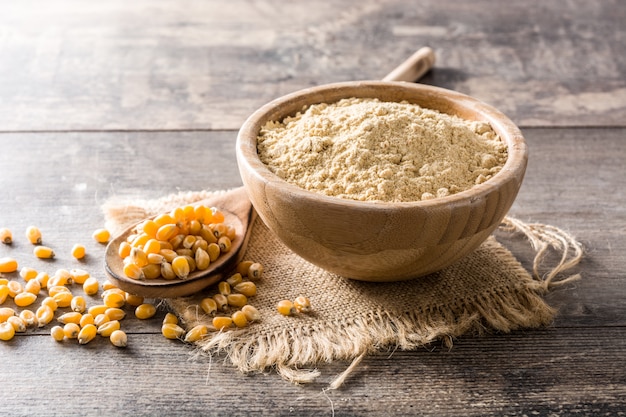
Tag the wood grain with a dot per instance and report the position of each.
(74, 65)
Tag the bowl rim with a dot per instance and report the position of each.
(513, 169)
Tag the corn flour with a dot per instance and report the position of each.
(365, 149)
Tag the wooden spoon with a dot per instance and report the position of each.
(237, 211)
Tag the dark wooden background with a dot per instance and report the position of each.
(144, 98)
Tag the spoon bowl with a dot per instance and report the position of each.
(237, 211)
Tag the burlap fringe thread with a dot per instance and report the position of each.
(365, 335)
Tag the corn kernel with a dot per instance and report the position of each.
(44, 315)
(219, 230)
(163, 219)
(155, 258)
(43, 278)
(209, 306)
(33, 286)
(221, 301)
(247, 288)
(50, 303)
(207, 234)
(15, 288)
(101, 235)
(133, 271)
(134, 300)
(5, 313)
(145, 311)
(252, 314)
(214, 251)
(224, 288)
(97, 309)
(167, 272)
(3, 281)
(43, 252)
(57, 333)
(28, 273)
(18, 324)
(71, 330)
(168, 254)
(118, 338)
(124, 250)
(78, 304)
(56, 289)
(224, 243)
(24, 299)
(286, 308)
(243, 266)
(108, 285)
(167, 231)
(106, 329)
(79, 276)
(63, 299)
(7, 332)
(139, 240)
(237, 300)
(114, 313)
(114, 299)
(200, 244)
(138, 257)
(172, 331)
(33, 234)
(29, 317)
(100, 319)
(72, 317)
(149, 227)
(180, 265)
(302, 304)
(4, 293)
(87, 334)
(239, 319)
(221, 323)
(177, 241)
(196, 333)
(91, 286)
(170, 319)
(78, 251)
(202, 259)
(6, 236)
(86, 319)
(255, 271)
(8, 265)
(151, 271)
(234, 279)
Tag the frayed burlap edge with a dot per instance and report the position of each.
(293, 354)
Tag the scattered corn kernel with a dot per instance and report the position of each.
(101, 235)
(86, 319)
(106, 329)
(71, 317)
(29, 317)
(247, 288)
(56, 289)
(43, 252)
(239, 318)
(7, 332)
(170, 319)
(71, 330)
(8, 265)
(252, 314)
(91, 286)
(286, 308)
(118, 338)
(87, 334)
(18, 324)
(114, 299)
(221, 301)
(57, 333)
(78, 251)
(33, 286)
(78, 304)
(237, 300)
(28, 273)
(50, 303)
(108, 285)
(6, 236)
(4, 293)
(224, 243)
(302, 304)
(145, 311)
(5, 313)
(124, 250)
(15, 288)
(114, 313)
(209, 306)
(24, 299)
(97, 309)
(44, 315)
(196, 333)
(255, 271)
(100, 319)
(172, 331)
(224, 288)
(181, 268)
(235, 279)
(33, 234)
(79, 276)
(63, 299)
(221, 322)
(133, 300)
(43, 279)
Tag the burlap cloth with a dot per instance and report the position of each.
(487, 291)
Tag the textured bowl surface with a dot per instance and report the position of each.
(378, 241)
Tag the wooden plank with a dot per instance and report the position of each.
(74, 65)
(542, 372)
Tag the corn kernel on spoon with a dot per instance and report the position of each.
(238, 212)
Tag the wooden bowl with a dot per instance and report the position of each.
(378, 241)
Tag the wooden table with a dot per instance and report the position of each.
(142, 99)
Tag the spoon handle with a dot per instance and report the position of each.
(414, 67)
